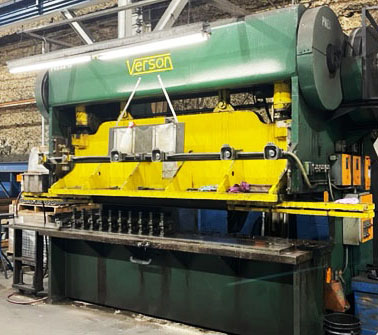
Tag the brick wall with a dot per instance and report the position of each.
(20, 127)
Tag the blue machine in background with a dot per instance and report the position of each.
(306, 227)
(215, 221)
(312, 227)
(9, 187)
(366, 303)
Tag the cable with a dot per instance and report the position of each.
(44, 214)
(341, 188)
(17, 201)
(45, 274)
(330, 186)
(346, 260)
(23, 302)
(45, 239)
(301, 168)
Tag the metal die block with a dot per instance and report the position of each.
(169, 137)
(122, 140)
(35, 182)
(143, 139)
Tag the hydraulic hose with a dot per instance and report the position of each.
(330, 186)
(301, 168)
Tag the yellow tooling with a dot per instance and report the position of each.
(362, 210)
(203, 133)
(282, 95)
(331, 209)
(81, 116)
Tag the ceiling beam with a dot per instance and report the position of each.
(95, 15)
(171, 14)
(125, 20)
(78, 27)
(49, 40)
(48, 15)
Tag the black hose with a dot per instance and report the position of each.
(301, 168)
(45, 238)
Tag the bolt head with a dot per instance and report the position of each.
(271, 153)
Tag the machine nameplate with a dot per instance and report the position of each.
(150, 64)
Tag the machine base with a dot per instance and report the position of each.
(229, 294)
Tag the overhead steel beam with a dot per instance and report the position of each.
(95, 15)
(78, 27)
(125, 20)
(171, 14)
(229, 7)
(27, 19)
(49, 40)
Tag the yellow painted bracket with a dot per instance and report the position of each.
(246, 202)
(332, 209)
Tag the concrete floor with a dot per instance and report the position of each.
(76, 318)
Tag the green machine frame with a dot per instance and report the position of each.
(271, 286)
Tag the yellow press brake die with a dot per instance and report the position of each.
(204, 133)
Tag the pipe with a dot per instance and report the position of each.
(17, 103)
(346, 260)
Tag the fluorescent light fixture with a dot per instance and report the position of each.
(160, 45)
(124, 51)
(61, 62)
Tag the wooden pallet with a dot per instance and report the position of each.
(4, 204)
(35, 214)
(4, 244)
(52, 209)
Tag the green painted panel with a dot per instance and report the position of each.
(232, 295)
(312, 136)
(351, 74)
(259, 49)
(87, 263)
